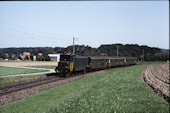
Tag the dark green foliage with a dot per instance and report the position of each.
(31, 57)
(32, 50)
(10, 56)
(2, 55)
(40, 58)
(26, 57)
(161, 57)
(128, 50)
(47, 58)
(44, 57)
(59, 49)
(150, 53)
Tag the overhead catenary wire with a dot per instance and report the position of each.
(66, 38)
(26, 33)
(14, 27)
(21, 40)
(31, 38)
(35, 36)
(42, 32)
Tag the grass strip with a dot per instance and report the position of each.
(13, 71)
(119, 91)
(18, 79)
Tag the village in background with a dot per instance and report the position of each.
(27, 56)
(142, 53)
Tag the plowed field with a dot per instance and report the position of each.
(157, 77)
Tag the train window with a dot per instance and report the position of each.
(65, 58)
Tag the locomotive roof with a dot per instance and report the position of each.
(104, 57)
(81, 56)
(111, 57)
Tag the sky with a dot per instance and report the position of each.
(93, 23)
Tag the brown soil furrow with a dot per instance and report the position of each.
(158, 75)
(164, 71)
(156, 78)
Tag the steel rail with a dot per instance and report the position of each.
(28, 84)
(16, 84)
(25, 85)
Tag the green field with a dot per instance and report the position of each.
(13, 71)
(48, 67)
(16, 79)
(115, 91)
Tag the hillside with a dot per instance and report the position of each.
(150, 53)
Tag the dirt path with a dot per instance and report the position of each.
(157, 77)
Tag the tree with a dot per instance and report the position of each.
(46, 57)
(26, 57)
(31, 57)
(40, 58)
(2, 55)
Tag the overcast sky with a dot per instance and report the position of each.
(53, 24)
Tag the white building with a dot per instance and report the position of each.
(34, 58)
(54, 57)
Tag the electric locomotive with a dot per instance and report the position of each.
(70, 64)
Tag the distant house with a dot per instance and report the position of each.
(27, 53)
(40, 54)
(24, 55)
(54, 57)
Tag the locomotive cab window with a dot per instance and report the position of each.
(65, 58)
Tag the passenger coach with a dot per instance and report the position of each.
(71, 64)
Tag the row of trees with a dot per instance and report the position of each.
(150, 53)
(163, 57)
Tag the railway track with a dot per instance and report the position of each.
(15, 92)
(33, 83)
(20, 86)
